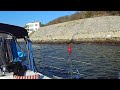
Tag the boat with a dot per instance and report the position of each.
(16, 55)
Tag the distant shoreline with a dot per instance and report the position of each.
(104, 29)
(79, 41)
(102, 40)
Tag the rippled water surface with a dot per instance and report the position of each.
(90, 61)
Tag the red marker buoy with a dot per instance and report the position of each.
(69, 48)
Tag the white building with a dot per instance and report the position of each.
(33, 26)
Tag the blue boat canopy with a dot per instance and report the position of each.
(16, 31)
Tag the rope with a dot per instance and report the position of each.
(65, 60)
(61, 69)
(53, 67)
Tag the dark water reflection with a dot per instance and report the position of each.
(90, 61)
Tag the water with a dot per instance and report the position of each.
(90, 61)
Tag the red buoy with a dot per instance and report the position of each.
(69, 48)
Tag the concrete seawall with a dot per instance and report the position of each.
(98, 29)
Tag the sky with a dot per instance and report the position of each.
(20, 18)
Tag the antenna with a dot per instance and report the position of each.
(70, 51)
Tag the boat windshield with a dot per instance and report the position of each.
(5, 52)
(12, 49)
(22, 50)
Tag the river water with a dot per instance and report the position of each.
(89, 61)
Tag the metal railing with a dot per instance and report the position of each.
(60, 59)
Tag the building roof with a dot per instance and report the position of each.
(32, 22)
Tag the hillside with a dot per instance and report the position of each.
(83, 15)
(89, 29)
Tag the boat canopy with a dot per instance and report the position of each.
(16, 31)
(13, 51)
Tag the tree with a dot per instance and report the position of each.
(26, 27)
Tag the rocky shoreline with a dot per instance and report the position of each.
(95, 40)
(105, 29)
